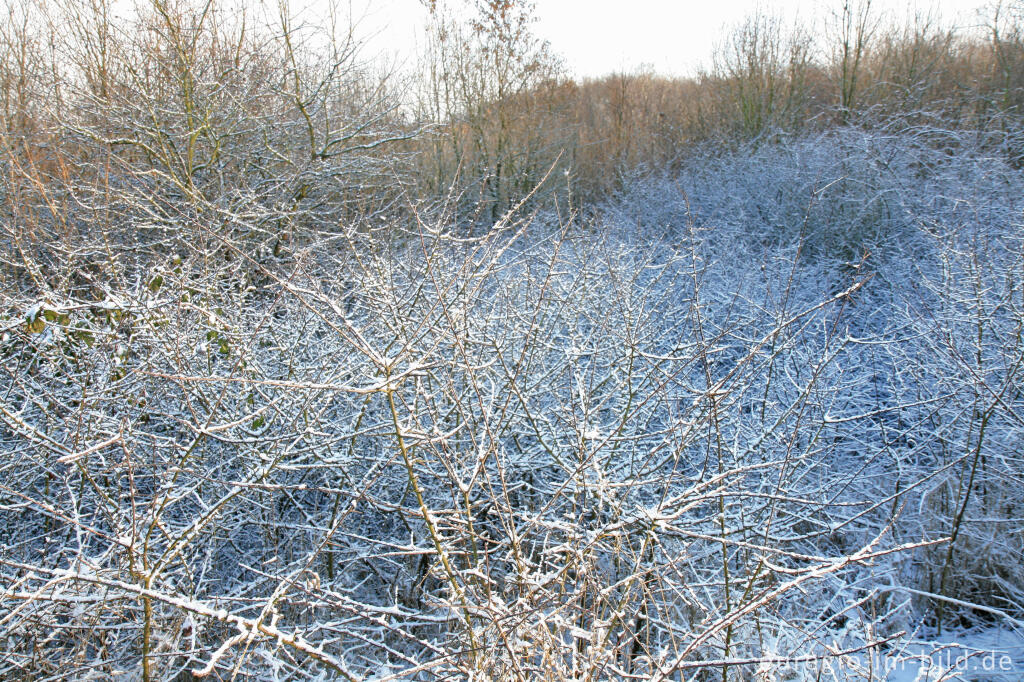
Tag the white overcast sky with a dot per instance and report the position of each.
(596, 37)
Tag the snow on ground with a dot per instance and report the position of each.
(989, 655)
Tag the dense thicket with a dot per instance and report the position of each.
(308, 372)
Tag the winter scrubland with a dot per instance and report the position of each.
(302, 381)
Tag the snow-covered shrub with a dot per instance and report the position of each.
(675, 438)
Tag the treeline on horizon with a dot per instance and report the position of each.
(256, 109)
